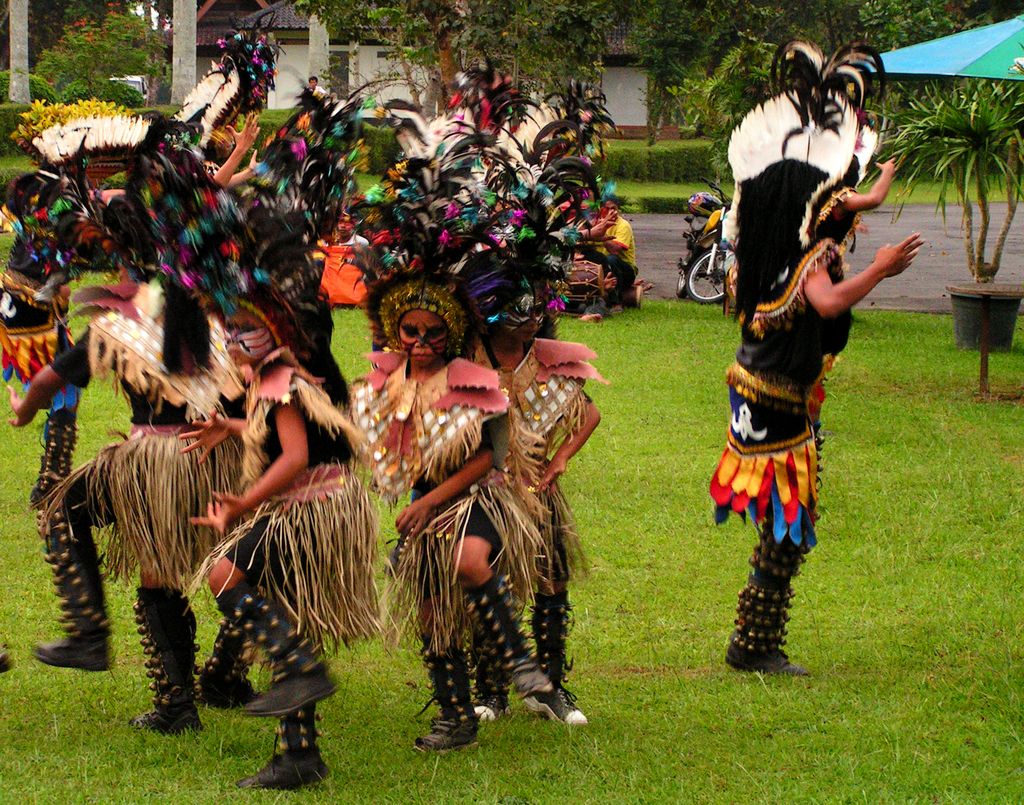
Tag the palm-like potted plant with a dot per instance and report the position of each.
(968, 140)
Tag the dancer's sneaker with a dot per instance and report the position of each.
(774, 662)
(493, 707)
(558, 705)
(447, 735)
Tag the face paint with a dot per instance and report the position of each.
(256, 343)
(435, 338)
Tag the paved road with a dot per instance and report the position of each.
(922, 287)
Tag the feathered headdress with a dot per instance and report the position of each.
(546, 187)
(432, 223)
(787, 154)
(238, 84)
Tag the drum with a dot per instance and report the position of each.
(586, 283)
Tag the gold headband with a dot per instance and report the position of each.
(419, 294)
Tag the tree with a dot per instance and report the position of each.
(968, 140)
(183, 56)
(666, 43)
(542, 42)
(18, 91)
(89, 53)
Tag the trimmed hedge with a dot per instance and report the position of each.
(38, 87)
(113, 91)
(9, 120)
(667, 161)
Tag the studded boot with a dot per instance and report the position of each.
(79, 584)
(223, 678)
(491, 606)
(300, 677)
(550, 631)
(168, 629)
(763, 609)
(299, 762)
(61, 434)
(455, 726)
(492, 682)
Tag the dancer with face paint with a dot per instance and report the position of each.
(434, 424)
(295, 569)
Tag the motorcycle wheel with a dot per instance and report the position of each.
(681, 291)
(705, 282)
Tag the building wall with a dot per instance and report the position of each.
(626, 90)
(625, 87)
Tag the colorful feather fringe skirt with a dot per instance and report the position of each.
(770, 463)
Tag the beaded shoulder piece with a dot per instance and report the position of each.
(422, 430)
(788, 301)
(125, 340)
(546, 400)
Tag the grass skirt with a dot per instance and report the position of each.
(323, 532)
(561, 554)
(427, 563)
(143, 492)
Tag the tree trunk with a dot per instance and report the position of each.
(18, 91)
(319, 55)
(1012, 184)
(183, 60)
(355, 79)
(968, 226)
(983, 270)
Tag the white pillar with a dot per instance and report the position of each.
(319, 53)
(19, 91)
(183, 60)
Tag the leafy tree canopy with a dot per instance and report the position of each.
(91, 51)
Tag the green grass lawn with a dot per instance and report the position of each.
(907, 613)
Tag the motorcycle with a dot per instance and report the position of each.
(702, 273)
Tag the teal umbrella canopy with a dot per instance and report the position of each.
(992, 51)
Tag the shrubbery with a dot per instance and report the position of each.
(113, 91)
(38, 87)
(667, 161)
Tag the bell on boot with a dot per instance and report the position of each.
(491, 605)
(222, 681)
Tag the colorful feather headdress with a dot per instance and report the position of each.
(432, 221)
(238, 84)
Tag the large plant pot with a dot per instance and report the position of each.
(968, 304)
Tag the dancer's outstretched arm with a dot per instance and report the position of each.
(833, 299)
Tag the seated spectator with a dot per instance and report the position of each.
(342, 281)
(610, 242)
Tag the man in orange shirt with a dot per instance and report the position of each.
(342, 282)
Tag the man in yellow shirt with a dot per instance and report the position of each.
(613, 245)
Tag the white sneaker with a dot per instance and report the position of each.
(559, 705)
(492, 708)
